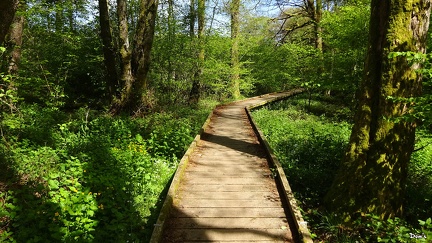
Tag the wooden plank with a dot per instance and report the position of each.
(229, 212)
(215, 173)
(216, 151)
(181, 235)
(228, 223)
(238, 161)
(232, 167)
(228, 188)
(229, 195)
(205, 203)
(227, 180)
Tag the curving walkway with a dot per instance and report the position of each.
(226, 191)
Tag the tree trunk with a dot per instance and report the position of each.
(314, 11)
(171, 39)
(16, 40)
(235, 63)
(7, 13)
(59, 18)
(318, 29)
(70, 15)
(135, 96)
(196, 85)
(215, 7)
(373, 175)
(126, 76)
(310, 9)
(108, 47)
(192, 18)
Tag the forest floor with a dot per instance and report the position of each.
(227, 192)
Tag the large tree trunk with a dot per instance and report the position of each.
(373, 175)
(196, 85)
(235, 63)
(135, 96)
(7, 13)
(108, 47)
(144, 41)
(16, 40)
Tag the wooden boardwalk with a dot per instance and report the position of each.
(226, 191)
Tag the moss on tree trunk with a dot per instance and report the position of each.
(135, 96)
(7, 13)
(373, 175)
(15, 42)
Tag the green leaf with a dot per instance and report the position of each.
(139, 138)
(72, 188)
(54, 175)
(90, 213)
(53, 184)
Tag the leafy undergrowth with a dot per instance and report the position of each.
(310, 140)
(86, 176)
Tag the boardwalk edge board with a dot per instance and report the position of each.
(168, 203)
(300, 224)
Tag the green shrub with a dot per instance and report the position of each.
(309, 148)
(86, 176)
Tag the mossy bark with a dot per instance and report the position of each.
(7, 13)
(108, 47)
(126, 76)
(373, 175)
(15, 41)
(135, 97)
(318, 28)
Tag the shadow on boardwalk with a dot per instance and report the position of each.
(235, 144)
(187, 228)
